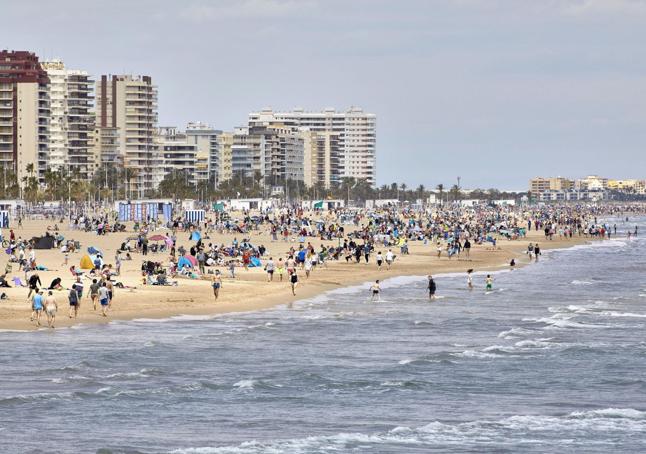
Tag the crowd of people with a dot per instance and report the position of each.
(378, 237)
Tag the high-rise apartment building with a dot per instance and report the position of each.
(177, 155)
(225, 143)
(356, 131)
(321, 153)
(129, 104)
(206, 139)
(279, 151)
(24, 114)
(72, 120)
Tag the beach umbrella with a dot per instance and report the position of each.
(192, 259)
(157, 238)
(184, 262)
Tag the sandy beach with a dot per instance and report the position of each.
(250, 290)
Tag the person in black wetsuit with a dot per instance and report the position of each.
(432, 287)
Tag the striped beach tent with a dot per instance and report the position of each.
(4, 219)
(194, 215)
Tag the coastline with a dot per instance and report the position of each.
(250, 291)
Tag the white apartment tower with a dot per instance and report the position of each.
(72, 120)
(129, 105)
(355, 129)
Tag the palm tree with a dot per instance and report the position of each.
(440, 188)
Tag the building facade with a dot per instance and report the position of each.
(129, 104)
(354, 128)
(24, 115)
(72, 120)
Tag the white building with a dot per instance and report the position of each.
(72, 120)
(355, 128)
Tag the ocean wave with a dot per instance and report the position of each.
(515, 333)
(577, 282)
(45, 397)
(483, 433)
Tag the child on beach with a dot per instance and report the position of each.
(489, 282)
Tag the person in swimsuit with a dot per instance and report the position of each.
(469, 279)
(216, 283)
(432, 287)
(489, 282)
(293, 279)
(50, 309)
(380, 260)
(375, 289)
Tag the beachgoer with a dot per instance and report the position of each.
(104, 299)
(73, 298)
(469, 279)
(37, 306)
(216, 283)
(94, 292)
(270, 266)
(489, 282)
(51, 306)
(375, 289)
(293, 279)
(432, 287)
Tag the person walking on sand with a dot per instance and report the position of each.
(530, 251)
(281, 269)
(94, 292)
(37, 306)
(34, 283)
(432, 287)
(51, 307)
(380, 260)
(390, 257)
(469, 279)
(104, 299)
(466, 247)
(293, 279)
(375, 289)
(73, 298)
(216, 283)
(110, 286)
(270, 266)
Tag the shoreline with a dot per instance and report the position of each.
(250, 292)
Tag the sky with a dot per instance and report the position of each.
(492, 91)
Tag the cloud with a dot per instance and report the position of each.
(241, 9)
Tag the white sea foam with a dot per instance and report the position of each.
(437, 434)
(577, 282)
(245, 384)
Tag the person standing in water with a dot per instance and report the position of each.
(375, 290)
(489, 283)
(432, 287)
(469, 279)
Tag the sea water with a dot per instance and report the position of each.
(553, 360)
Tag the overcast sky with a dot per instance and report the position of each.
(495, 91)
